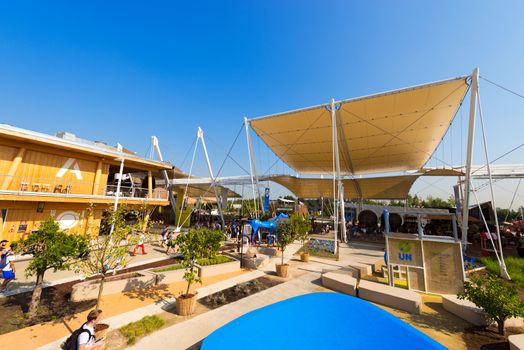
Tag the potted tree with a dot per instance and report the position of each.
(192, 245)
(301, 227)
(286, 236)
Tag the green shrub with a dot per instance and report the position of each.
(219, 259)
(134, 330)
(170, 268)
(514, 265)
(498, 298)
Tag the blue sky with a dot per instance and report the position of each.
(123, 71)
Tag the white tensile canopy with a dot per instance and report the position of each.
(387, 132)
(389, 187)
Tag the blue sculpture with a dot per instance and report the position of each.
(271, 225)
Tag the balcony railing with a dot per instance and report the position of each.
(136, 192)
(35, 186)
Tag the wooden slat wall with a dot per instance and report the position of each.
(26, 213)
(40, 166)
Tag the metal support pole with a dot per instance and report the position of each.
(469, 155)
(219, 202)
(502, 264)
(341, 215)
(336, 167)
(165, 175)
(251, 166)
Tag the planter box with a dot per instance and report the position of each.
(255, 263)
(168, 277)
(219, 269)
(115, 284)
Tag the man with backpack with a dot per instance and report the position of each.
(84, 337)
(7, 265)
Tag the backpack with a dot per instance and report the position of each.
(3, 261)
(71, 343)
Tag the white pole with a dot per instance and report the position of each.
(156, 149)
(219, 203)
(503, 270)
(249, 151)
(341, 216)
(117, 197)
(336, 167)
(469, 156)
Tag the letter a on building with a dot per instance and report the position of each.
(67, 166)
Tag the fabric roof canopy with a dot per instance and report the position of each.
(390, 187)
(393, 131)
(204, 191)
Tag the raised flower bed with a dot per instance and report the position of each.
(217, 266)
(116, 284)
(169, 274)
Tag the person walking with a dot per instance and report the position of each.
(170, 242)
(140, 244)
(164, 233)
(7, 264)
(84, 337)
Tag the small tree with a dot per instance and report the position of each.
(301, 226)
(498, 298)
(286, 235)
(212, 242)
(192, 245)
(51, 249)
(111, 252)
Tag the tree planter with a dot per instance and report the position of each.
(282, 270)
(304, 257)
(115, 284)
(168, 277)
(185, 304)
(218, 269)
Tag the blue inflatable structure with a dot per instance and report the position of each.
(270, 225)
(319, 321)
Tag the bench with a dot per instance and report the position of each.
(516, 342)
(340, 282)
(397, 298)
(363, 269)
(343, 271)
(468, 311)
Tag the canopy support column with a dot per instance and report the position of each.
(253, 169)
(340, 210)
(219, 200)
(469, 156)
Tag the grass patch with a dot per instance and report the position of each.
(321, 253)
(219, 259)
(170, 268)
(135, 330)
(515, 268)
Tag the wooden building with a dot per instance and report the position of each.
(61, 176)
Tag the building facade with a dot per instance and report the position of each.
(70, 179)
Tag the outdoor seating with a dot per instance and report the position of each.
(24, 186)
(516, 342)
(35, 187)
(397, 298)
(363, 269)
(340, 282)
(468, 311)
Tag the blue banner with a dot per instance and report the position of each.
(266, 200)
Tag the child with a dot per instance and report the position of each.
(7, 264)
(170, 241)
(140, 244)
